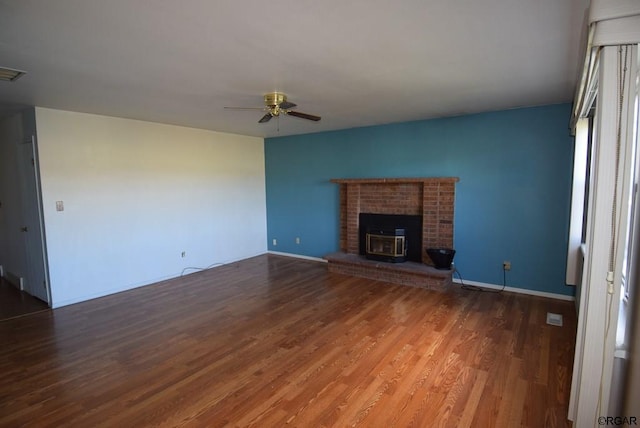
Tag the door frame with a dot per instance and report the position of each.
(40, 236)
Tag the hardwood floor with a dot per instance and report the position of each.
(274, 341)
(15, 303)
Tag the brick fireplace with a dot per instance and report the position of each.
(431, 198)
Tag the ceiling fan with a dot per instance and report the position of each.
(276, 104)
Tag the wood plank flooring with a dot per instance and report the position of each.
(15, 303)
(273, 342)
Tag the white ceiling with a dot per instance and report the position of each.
(353, 62)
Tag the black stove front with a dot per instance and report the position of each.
(391, 238)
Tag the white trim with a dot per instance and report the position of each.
(623, 354)
(619, 31)
(580, 156)
(592, 392)
(154, 281)
(457, 281)
(589, 365)
(584, 94)
(615, 22)
(297, 256)
(600, 10)
(111, 291)
(518, 290)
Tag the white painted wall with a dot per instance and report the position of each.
(137, 194)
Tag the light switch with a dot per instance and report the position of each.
(59, 206)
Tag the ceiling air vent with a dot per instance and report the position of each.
(10, 75)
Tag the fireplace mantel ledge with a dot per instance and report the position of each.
(395, 180)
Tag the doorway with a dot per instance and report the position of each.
(36, 281)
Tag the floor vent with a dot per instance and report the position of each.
(554, 319)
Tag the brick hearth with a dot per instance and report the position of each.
(432, 198)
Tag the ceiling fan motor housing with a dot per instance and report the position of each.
(274, 99)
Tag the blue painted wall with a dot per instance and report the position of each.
(512, 201)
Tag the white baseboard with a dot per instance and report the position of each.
(298, 256)
(15, 280)
(517, 290)
(152, 281)
(457, 281)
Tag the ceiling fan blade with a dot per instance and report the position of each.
(244, 108)
(266, 118)
(287, 104)
(303, 115)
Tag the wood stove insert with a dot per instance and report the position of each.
(387, 232)
(386, 245)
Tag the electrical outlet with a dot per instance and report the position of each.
(506, 265)
(275, 242)
(184, 253)
(297, 240)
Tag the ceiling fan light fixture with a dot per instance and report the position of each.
(10, 74)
